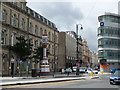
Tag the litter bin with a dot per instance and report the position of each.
(34, 72)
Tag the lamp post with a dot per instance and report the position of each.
(77, 52)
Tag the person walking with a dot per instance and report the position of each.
(77, 71)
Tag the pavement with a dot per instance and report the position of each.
(44, 79)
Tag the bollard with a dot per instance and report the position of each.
(102, 72)
(91, 74)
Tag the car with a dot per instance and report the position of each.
(92, 70)
(115, 77)
(82, 69)
(89, 71)
(114, 69)
(68, 70)
(74, 68)
(95, 71)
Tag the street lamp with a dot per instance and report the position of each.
(77, 40)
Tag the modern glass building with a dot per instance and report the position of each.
(109, 39)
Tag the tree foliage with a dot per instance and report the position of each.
(38, 53)
(22, 48)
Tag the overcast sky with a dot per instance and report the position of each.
(67, 13)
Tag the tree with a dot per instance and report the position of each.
(22, 48)
(38, 53)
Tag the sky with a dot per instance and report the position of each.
(67, 13)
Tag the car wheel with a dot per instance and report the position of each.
(111, 83)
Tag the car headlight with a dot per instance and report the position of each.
(112, 77)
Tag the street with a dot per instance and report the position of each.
(102, 82)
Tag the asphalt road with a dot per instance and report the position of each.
(102, 82)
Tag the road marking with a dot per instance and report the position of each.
(15, 86)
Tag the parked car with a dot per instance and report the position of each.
(68, 70)
(74, 68)
(82, 69)
(95, 71)
(115, 78)
(92, 70)
(114, 69)
(89, 71)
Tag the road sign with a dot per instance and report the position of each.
(101, 23)
(20, 61)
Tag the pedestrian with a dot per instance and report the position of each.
(68, 73)
(77, 71)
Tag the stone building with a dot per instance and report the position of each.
(19, 20)
(85, 54)
(67, 50)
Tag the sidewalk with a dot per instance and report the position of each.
(42, 79)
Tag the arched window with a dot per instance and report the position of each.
(4, 15)
(14, 20)
(23, 23)
(13, 39)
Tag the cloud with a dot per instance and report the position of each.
(67, 14)
(63, 14)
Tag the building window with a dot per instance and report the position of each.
(41, 18)
(3, 37)
(4, 15)
(45, 20)
(45, 31)
(23, 23)
(30, 41)
(36, 29)
(101, 53)
(41, 32)
(30, 27)
(15, 3)
(4, 62)
(40, 43)
(23, 5)
(13, 39)
(14, 20)
(36, 44)
(52, 49)
(52, 37)
(49, 36)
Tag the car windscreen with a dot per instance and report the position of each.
(117, 73)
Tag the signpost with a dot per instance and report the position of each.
(44, 66)
(101, 23)
(20, 62)
(104, 67)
